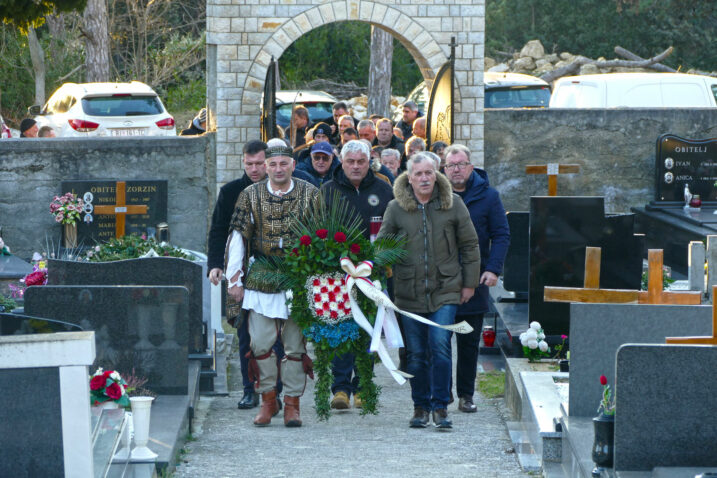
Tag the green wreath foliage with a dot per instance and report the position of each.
(328, 234)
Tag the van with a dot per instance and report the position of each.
(635, 90)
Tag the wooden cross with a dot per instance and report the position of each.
(591, 292)
(552, 170)
(700, 340)
(120, 209)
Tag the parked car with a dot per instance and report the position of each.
(319, 103)
(502, 90)
(105, 109)
(4, 130)
(635, 90)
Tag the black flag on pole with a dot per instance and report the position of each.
(268, 107)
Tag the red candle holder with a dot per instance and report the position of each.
(488, 336)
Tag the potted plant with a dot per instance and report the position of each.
(108, 389)
(533, 341)
(604, 424)
(67, 209)
(560, 351)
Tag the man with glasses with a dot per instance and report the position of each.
(322, 163)
(488, 217)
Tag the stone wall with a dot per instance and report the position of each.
(31, 172)
(614, 148)
(243, 36)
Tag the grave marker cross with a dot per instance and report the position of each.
(552, 170)
(700, 340)
(120, 209)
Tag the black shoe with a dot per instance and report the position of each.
(440, 419)
(466, 405)
(420, 418)
(248, 401)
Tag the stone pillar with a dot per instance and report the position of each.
(696, 261)
(711, 264)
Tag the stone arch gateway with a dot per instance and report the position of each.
(243, 35)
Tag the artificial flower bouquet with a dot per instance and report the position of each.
(106, 386)
(67, 208)
(533, 341)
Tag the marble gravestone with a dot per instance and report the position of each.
(666, 408)
(597, 331)
(560, 230)
(155, 271)
(46, 405)
(144, 329)
(516, 268)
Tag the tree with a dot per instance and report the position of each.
(379, 73)
(37, 55)
(24, 14)
(97, 41)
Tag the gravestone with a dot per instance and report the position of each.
(153, 271)
(46, 402)
(15, 324)
(666, 408)
(664, 221)
(104, 193)
(560, 230)
(12, 269)
(597, 331)
(140, 328)
(516, 268)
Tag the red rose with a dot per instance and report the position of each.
(114, 391)
(322, 233)
(355, 248)
(334, 315)
(305, 240)
(324, 290)
(295, 251)
(332, 296)
(326, 306)
(330, 281)
(319, 311)
(35, 278)
(98, 382)
(340, 237)
(316, 282)
(317, 297)
(337, 289)
(107, 373)
(603, 380)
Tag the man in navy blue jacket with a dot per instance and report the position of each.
(488, 216)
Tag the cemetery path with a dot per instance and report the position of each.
(226, 444)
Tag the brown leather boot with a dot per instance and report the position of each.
(269, 408)
(292, 416)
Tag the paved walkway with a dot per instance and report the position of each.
(348, 445)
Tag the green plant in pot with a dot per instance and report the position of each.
(604, 425)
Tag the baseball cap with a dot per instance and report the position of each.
(322, 147)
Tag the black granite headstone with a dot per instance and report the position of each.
(31, 442)
(141, 328)
(516, 268)
(156, 271)
(560, 230)
(150, 193)
(14, 324)
(682, 161)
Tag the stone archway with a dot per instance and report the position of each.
(242, 38)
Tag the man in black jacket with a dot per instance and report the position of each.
(410, 113)
(368, 197)
(254, 171)
(385, 136)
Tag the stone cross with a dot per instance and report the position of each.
(120, 209)
(699, 340)
(552, 170)
(591, 292)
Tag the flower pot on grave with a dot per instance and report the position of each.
(604, 444)
(564, 365)
(70, 234)
(141, 409)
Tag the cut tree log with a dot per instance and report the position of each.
(631, 56)
(574, 66)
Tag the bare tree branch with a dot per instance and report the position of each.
(631, 56)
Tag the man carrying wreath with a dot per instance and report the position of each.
(440, 271)
(261, 226)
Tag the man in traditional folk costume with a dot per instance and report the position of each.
(261, 226)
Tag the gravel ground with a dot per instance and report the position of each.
(348, 445)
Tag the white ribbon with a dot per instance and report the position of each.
(385, 316)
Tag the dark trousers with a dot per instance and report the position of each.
(467, 355)
(244, 348)
(345, 373)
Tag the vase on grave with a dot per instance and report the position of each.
(604, 444)
(141, 410)
(564, 365)
(70, 235)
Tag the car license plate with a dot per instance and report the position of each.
(128, 132)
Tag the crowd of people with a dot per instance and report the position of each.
(457, 238)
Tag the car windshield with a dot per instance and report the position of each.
(317, 112)
(122, 105)
(521, 97)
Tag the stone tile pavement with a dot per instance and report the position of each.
(348, 445)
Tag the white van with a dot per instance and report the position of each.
(635, 90)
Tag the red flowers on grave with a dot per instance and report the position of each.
(355, 248)
(108, 386)
(322, 233)
(603, 380)
(340, 237)
(38, 277)
(305, 240)
(607, 404)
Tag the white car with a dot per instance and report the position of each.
(105, 109)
